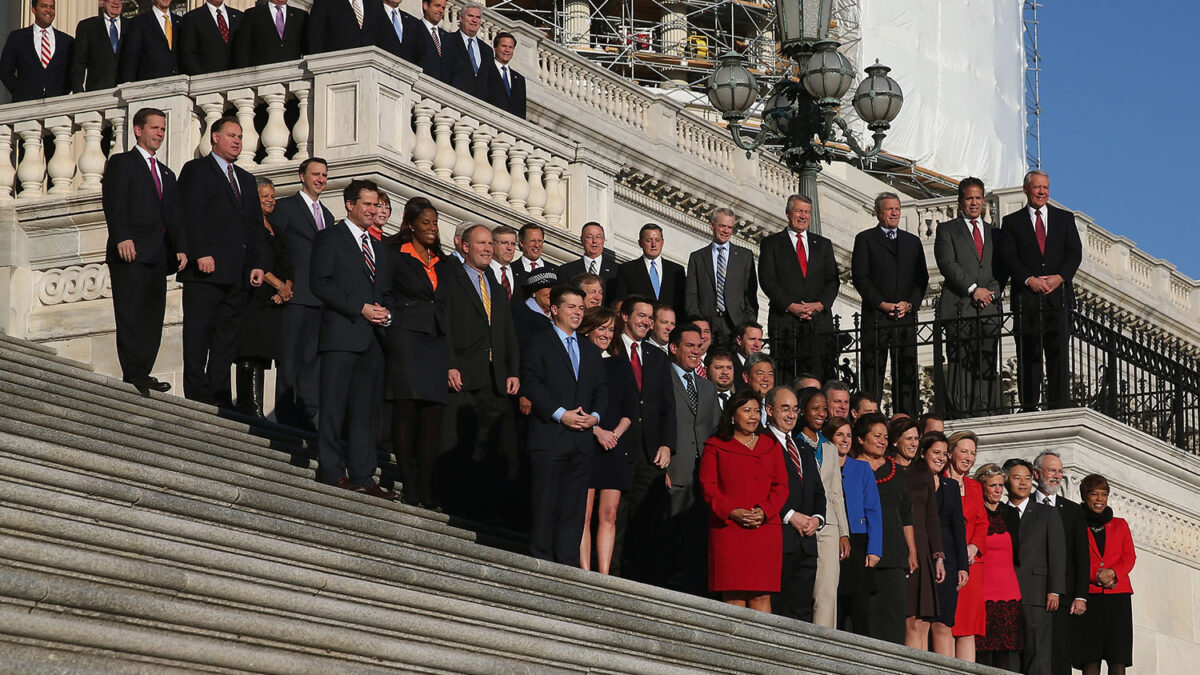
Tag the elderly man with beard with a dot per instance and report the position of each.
(1048, 470)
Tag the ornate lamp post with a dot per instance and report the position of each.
(800, 115)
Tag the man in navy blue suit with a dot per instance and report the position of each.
(334, 25)
(469, 55)
(150, 50)
(35, 60)
(563, 376)
(434, 44)
(98, 40)
(270, 33)
(506, 87)
(392, 29)
(206, 38)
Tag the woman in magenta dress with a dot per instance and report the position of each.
(969, 618)
(745, 483)
(1000, 645)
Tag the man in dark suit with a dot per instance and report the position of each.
(1040, 250)
(351, 275)
(504, 249)
(334, 25)
(1041, 573)
(98, 41)
(433, 43)
(965, 251)
(888, 270)
(392, 29)
(1048, 472)
(145, 245)
(150, 50)
(206, 38)
(225, 236)
(803, 514)
(651, 275)
(595, 259)
(721, 281)
(505, 86)
(563, 377)
(298, 219)
(270, 33)
(35, 60)
(530, 238)
(469, 56)
(800, 277)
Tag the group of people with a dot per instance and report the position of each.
(40, 61)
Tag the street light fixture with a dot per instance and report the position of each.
(799, 115)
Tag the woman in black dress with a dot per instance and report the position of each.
(610, 472)
(923, 602)
(1105, 631)
(262, 322)
(418, 350)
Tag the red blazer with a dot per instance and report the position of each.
(1118, 556)
(975, 514)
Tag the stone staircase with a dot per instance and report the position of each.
(149, 535)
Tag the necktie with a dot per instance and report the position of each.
(532, 265)
(975, 232)
(573, 352)
(233, 183)
(223, 26)
(505, 282)
(724, 398)
(166, 18)
(794, 454)
(635, 360)
(655, 282)
(701, 370)
(154, 175)
(592, 267)
(397, 25)
(45, 51)
(437, 41)
(358, 14)
(368, 255)
(1039, 229)
(722, 268)
(113, 36)
(317, 218)
(891, 234)
(485, 296)
(473, 55)
(693, 395)
(279, 20)
(507, 84)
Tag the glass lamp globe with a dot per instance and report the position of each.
(878, 98)
(731, 87)
(829, 73)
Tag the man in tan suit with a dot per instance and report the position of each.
(833, 541)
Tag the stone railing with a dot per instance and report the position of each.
(704, 141)
(581, 81)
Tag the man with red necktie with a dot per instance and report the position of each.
(36, 59)
(206, 38)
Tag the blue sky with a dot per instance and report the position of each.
(1120, 98)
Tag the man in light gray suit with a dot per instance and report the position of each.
(721, 281)
(1042, 572)
(970, 304)
(696, 414)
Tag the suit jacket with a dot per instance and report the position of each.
(133, 210)
(607, 272)
(837, 522)
(465, 77)
(21, 68)
(145, 54)
(93, 61)
(1043, 555)
(863, 511)
(1022, 258)
(218, 224)
(548, 381)
(510, 99)
(888, 271)
(520, 270)
(656, 398)
(473, 339)
(293, 221)
(783, 282)
(201, 47)
(379, 31)
(741, 285)
(527, 322)
(806, 495)
(333, 27)
(432, 63)
(961, 267)
(1118, 556)
(1076, 547)
(342, 282)
(258, 43)
(634, 279)
(691, 431)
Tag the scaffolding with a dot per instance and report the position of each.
(1033, 72)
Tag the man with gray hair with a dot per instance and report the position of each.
(889, 271)
(468, 53)
(721, 281)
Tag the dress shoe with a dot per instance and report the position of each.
(376, 491)
(345, 484)
(150, 383)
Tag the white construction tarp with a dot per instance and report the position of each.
(961, 66)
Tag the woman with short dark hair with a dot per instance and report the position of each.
(1105, 631)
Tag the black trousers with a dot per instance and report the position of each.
(212, 321)
(972, 345)
(880, 340)
(1041, 333)
(1063, 635)
(139, 305)
(351, 396)
(795, 596)
(888, 605)
(804, 347)
(559, 485)
(298, 368)
(642, 543)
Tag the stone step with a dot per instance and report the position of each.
(8, 340)
(54, 658)
(42, 352)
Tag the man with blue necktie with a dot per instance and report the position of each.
(97, 42)
(469, 53)
(651, 275)
(505, 87)
(392, 29)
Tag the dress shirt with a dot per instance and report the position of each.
(587, 264)
(109, 23)
(782, 438)
(215, 10)
(1033, 218)
(512, 280)
(163, 19)
(225, 169)
(430, 28)
(146, 156)
(887, 231)
(467, 46)
(793, 234)
(654, 343)
(37, 39)
(524, 263)
(474, 274)
(500, 70)
(628, 342)
(1019, 507)
(394, 17)
(557, 416)
(357, 233)
(309, 202)
(680, 372)
(716, 254)
(658, 266)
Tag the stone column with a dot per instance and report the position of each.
(577, 24)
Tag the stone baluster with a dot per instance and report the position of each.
(444, 159)
(501, 181)
(32, 169)
(481, 180)
(8, 173)
(244, 100)
(91, 162)
(536, 201)
(464, 165)
(424, 149)
(116, 118)
(61, 167)
(275, 134)
(555, 204)
(300, 133)
(213, 106)
(519, 192)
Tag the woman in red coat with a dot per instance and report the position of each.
(970, 619)
(745, 484)
(1105, 631)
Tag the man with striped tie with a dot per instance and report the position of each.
(434, 45)
(35, 60)
(351, 275)
(721, 280)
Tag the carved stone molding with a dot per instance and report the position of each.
(676, 204)
(72, 284)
